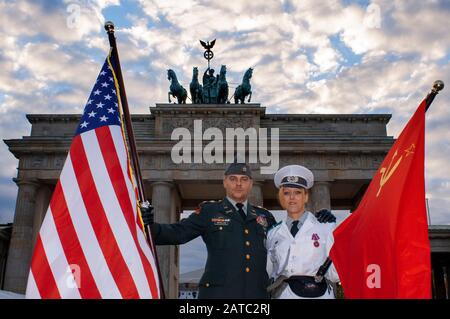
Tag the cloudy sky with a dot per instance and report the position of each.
(308, 57)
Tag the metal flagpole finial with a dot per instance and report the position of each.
(109, 26)
(438, 85)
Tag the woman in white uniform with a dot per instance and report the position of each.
(299, 246)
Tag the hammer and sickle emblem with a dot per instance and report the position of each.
(387, 173)
(410, 150)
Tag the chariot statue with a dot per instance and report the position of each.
(214, 88)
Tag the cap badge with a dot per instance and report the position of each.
(292, 179)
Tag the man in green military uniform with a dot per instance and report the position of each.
(234, 232)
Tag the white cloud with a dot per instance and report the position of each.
(327, 59)
(63, 22)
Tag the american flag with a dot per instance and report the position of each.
(91, 243)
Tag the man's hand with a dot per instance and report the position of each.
(148, 216)
(325, 216)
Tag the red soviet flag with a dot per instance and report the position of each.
(382, 250)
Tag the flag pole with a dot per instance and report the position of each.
(109, 27)
(438, 85)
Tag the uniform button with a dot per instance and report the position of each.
(247, 269)
(247, 243)
(220, 228)
(247, 256)
(207, 284)
(246, 231)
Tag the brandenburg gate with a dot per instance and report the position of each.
(342, 150)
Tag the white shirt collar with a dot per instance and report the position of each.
(234, 204)
(301, 221)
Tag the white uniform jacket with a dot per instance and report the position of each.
(302, 255)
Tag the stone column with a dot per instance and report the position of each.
(164, 208)
(43, 197)
(320, 196)
(256, 195)
(20, 248)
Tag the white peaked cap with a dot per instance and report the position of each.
(294, 176)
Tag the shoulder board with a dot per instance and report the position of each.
(274, 225)
(202, 204)
(262, 208)
(265, 212)
(208, 201)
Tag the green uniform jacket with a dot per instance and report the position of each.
(236, 264)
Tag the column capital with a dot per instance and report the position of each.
(162, 183)
(26, 181)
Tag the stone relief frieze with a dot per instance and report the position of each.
(169, 124)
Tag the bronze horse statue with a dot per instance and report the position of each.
(244, 88)
(176, 90)
(222, 86)
(196, 88)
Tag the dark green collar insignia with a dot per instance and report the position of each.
(226, 206)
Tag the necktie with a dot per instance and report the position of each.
(241, 211)
(294, 228)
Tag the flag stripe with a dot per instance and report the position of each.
(42, 273)
(148, 254)
(99, 221)
(71, 244)
(32, 289)
(57, 260)
(123, 192)
(115, 214)
(118, 137)
(86, 235)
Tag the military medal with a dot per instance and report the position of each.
(220, 221)
(316, 238)
(262, 221)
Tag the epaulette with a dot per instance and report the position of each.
(274, 225)
(262, 208)
(206, 202)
